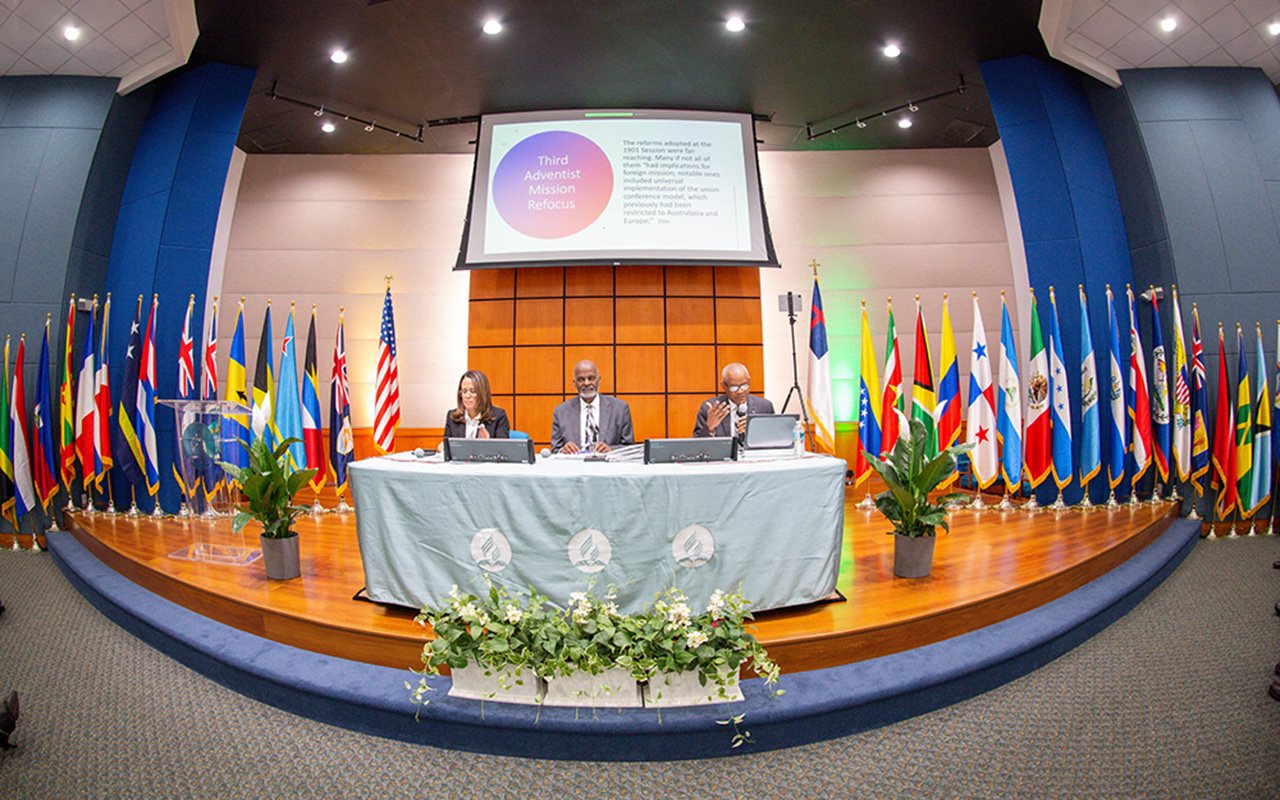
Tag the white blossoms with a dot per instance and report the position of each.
(716, 606)
(694, 639)
(581, 606)
(513, 613)
(678, 615)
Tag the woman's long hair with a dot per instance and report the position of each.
(484, 399)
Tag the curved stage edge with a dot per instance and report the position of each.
(819, 704)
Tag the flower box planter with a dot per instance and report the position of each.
(613, 688)
(502, 684)
(671, 689)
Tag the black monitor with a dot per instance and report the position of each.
(496, 451)
(699, 450)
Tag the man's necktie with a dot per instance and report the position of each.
(593, 430)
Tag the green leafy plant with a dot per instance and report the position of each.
(910, 475)
(269, 484)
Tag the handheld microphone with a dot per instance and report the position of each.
(742, 410)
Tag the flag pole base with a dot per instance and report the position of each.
(1058, 505)
(1112, 503)
(1253, 528)
(1134, 502)
(133, 512)
(316, 508)
(157, 512)
(1233, 534)
(1173, 494)
(342, 507)
(1271, 529)
(1193, 514)
(978, 503)
(35, 543)
(1031, 505)
(16, 547)
(1006, 504)
(183, 511)
(1155, 495)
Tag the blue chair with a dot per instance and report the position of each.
(518, 435)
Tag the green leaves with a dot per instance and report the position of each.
(909, 475)
(269, 484)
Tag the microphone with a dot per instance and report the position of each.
(742, 410)
(418, 452)
(544, 453)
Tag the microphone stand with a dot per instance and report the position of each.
(795, 369)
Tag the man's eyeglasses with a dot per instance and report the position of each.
(736, 389)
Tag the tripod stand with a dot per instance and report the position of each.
(793, 300)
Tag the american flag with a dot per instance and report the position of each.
(386, 400)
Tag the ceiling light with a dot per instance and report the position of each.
(735, 24)
(912, 107)
(905, 122)
(338, 56)
(1274, 29)
(328, 127)
(492, 27)
(860, 124)
(1168, 24)
(319, 112)
(892, 51)
(71, 32)
(370, 126)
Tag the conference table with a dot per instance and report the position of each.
(772, 528)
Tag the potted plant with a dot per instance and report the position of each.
(583, 644)
(910, 476)
(269, 484)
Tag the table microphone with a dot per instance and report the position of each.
(418, 452)
(544, 453)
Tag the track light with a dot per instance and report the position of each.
(861, 124)
(370, 126)
(319, 112)
(912, 107)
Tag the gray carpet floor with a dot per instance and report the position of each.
(1170, 701)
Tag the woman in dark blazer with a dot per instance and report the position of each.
(475, 406)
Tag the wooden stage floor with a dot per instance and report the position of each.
(991, 567)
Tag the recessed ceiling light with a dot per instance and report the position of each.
(1168, 24)
(492, 27)
(338, 56)
(71, 32)
(905, 122)
(328, 127)
(1274, 29)
(892, 51)
(735, 24)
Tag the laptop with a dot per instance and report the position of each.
(769, 436)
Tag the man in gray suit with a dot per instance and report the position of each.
(590, 421)
(727, 414)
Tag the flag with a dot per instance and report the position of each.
(981, 422)
(20, 452)
(7, 499)
(288, 410)
(1181, 416)
(1090, 429)
(146, 420)
(1037, 441)
(1199, 407)
(1275, 440)
(128, 446)
(386, 398)
(820, 408)
(102, 401)
(186, 389)
(891, 404)
(1009, 410)
(311, 433)
(341, 439)
(1060, 399)
(67, 402)
(1244, 431)
(948, 412)
(1260, 488)
(1159, 393)
(1117, 443)
(264, 387)
(923, 399)
(43, 460)
(868, 404)
(236, 434)
(86, 404)
(1139, 406)
(213, 476)
(1224, 436)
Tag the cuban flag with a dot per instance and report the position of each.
(820, 407)
(312, 436)
(1090, 430)
(869, 398)
(1009, 409)
(980, 427)
(1060, 401)
(1139, 400)
(1117, 444)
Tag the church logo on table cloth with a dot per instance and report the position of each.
(490, 550)
(693, 546)
(589, 550)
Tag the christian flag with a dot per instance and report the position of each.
(868, 404)
(1160, 392)
(341, 439)
(1090, 429)
(1224, 436)
(891, 406)
(1199, 407)
(288, 408)
(981, 422)
(923, 399)
(1260, 488)
(386, 398)
(948, 412)
(311, 425)
(820, 408)
(1139, 401)
(1009, 410)
(20, 453)
(86, 404)
(1037, 441)
(44, 463)
(1116, 440)
(1060, 402)
(1181, 416)
(67, 402)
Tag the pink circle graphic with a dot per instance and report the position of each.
(552, 184)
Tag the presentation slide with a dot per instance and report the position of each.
(614, 187)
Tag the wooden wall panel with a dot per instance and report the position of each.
(738, 282)
(539, 321)
(588, 320)
(691, 319)
(539, 370)
(640, 368)
(491, 322)
(601, 354)
(640, 281)
(648, 415)
(691, 368)
(588, 282)
(682, 413)
(532, 414)
(640, 320)
(749, 356)
(493, 283)
(688, 280)
(540, 282)
(738, 320)
(496, 364)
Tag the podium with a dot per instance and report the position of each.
(202, 441)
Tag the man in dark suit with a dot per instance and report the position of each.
(727, 414)
(590, 421)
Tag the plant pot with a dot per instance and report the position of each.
(913, 556)
(614, 688)
(280, 557)
(501, 684)
(669, 689)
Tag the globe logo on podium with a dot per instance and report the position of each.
(199, 446)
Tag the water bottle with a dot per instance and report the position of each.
(797, 436)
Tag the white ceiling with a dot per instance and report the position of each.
(134, 40)
(1101, 37)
